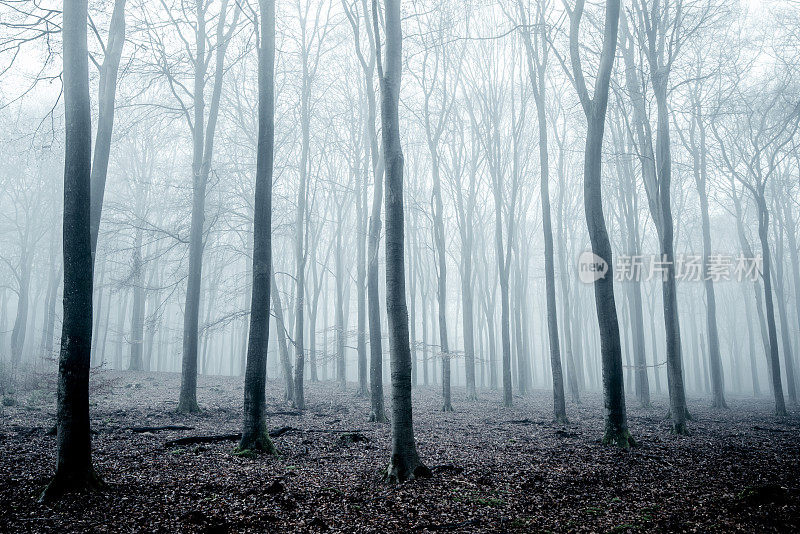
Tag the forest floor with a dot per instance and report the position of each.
(494, 469)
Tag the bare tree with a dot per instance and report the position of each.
(254, 427)
(594, 107)
(74, 470)
(404, 463)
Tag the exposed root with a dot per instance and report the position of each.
(620, 438)
(680, 430)
(447, 407)
(378, 418)
(259, 442)
(719, 404)
(401, 470)
(185, 407)
(62, 484)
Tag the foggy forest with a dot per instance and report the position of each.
(399, 265)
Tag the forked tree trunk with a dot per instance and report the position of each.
(780, 293)
(74, 469)
(255, 435)
(202, 149)
(774, 363)
(616, 423)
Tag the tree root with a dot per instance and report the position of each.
(194, 440)
(400, 470)
(620, 438)
(186, 407)
(62, 484)
(143, 429)
(260, 443)
(374, 418)
(688, 415)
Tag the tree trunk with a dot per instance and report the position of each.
(137, 316)
(21, 321)
(763, 234)
(616, 424)
(404, 463)
(780, 294)
(105, 118)
(255, 435)
(280, 327)
(203, 142)
(74, 469)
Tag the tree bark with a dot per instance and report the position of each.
(74, 469)
(774, 362)
(202, 149)
(255, 435)
(616, 424)
(405, 463)
(105, 118)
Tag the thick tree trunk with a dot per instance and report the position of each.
(74, 469)
(255, 435)
(404, 463)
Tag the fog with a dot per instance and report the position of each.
(591, 200)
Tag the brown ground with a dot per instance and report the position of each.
(495, 469)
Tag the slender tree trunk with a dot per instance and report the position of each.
(748, 306)
(203, 142)
(21, 320)
(361, 284)
(280, 327)
(616, 424)
(105, 118)
(137, 317)
(780, 294)
(404, 463)
(794, 261)
(763, 234)
(378, 413)
(255, 435)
